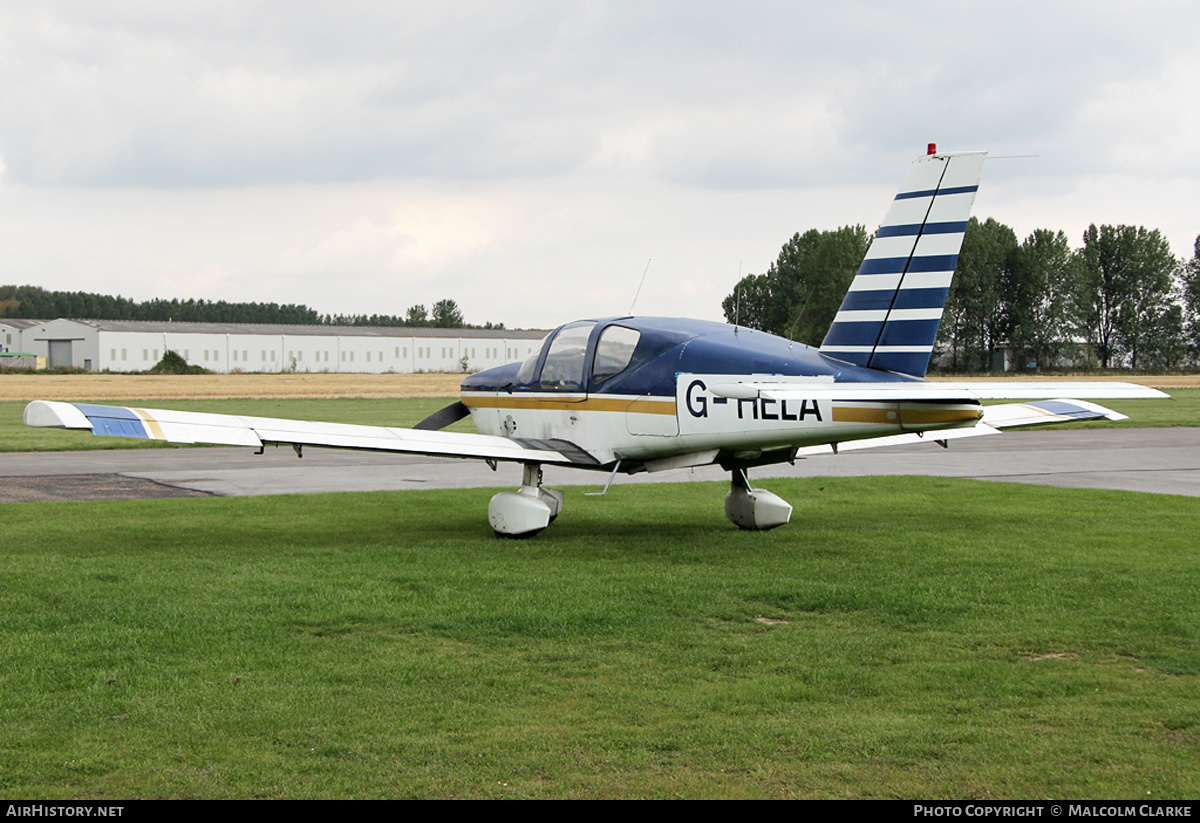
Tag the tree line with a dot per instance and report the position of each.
(34, 302)
(1120, 300)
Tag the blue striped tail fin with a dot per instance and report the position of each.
(889, 318)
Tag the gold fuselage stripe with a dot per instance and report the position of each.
(884, 414)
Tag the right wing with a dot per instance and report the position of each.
(925, 391)
(1007, 415)
(234, 430)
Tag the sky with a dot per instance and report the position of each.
(532, 159)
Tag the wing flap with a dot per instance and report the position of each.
(233, 430)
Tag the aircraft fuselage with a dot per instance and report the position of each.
(659, 393)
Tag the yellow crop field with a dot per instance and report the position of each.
(224, 386)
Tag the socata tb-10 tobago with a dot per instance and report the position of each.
(631, 394)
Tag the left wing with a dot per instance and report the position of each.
(234, 430)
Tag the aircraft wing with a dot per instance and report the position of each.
(1060, 410)
(1004, 416)
(234, 430)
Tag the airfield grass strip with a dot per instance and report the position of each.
(902, 637)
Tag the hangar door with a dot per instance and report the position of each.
(60, 354)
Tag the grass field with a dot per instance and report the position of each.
(903, 637)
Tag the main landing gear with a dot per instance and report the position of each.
(753, 509)
(533, 507)
(528, 510)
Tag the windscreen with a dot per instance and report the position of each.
(563, 369)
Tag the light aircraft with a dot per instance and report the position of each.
(633, 394)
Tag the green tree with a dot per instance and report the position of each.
(1037, 295)
(973, 323)
(754, 304)
(1127, 290)
(1190, 292)
(800, 294)
(416, 316)
(446, 315)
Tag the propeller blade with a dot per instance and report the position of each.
(444, 417)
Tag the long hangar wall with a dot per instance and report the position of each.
(128, 346)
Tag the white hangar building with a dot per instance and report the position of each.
(131, 346)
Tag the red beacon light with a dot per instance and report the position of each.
(932, 149)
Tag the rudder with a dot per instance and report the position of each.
(890, 316)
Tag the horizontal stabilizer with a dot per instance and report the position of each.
(1046, 411)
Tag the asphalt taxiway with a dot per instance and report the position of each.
(1159, 461)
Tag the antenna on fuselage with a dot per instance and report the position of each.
(639, 288)
(737, 298)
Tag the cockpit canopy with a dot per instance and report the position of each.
(642, 356)
(565, 357)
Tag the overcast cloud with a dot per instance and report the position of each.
(528, 158)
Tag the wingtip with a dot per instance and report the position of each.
(54, 414)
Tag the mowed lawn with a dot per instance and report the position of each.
(902, 637)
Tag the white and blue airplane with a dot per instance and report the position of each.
(633, 394)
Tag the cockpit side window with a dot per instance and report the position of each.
(563, 369)
(614, 350)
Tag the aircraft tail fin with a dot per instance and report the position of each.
(889, 318)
